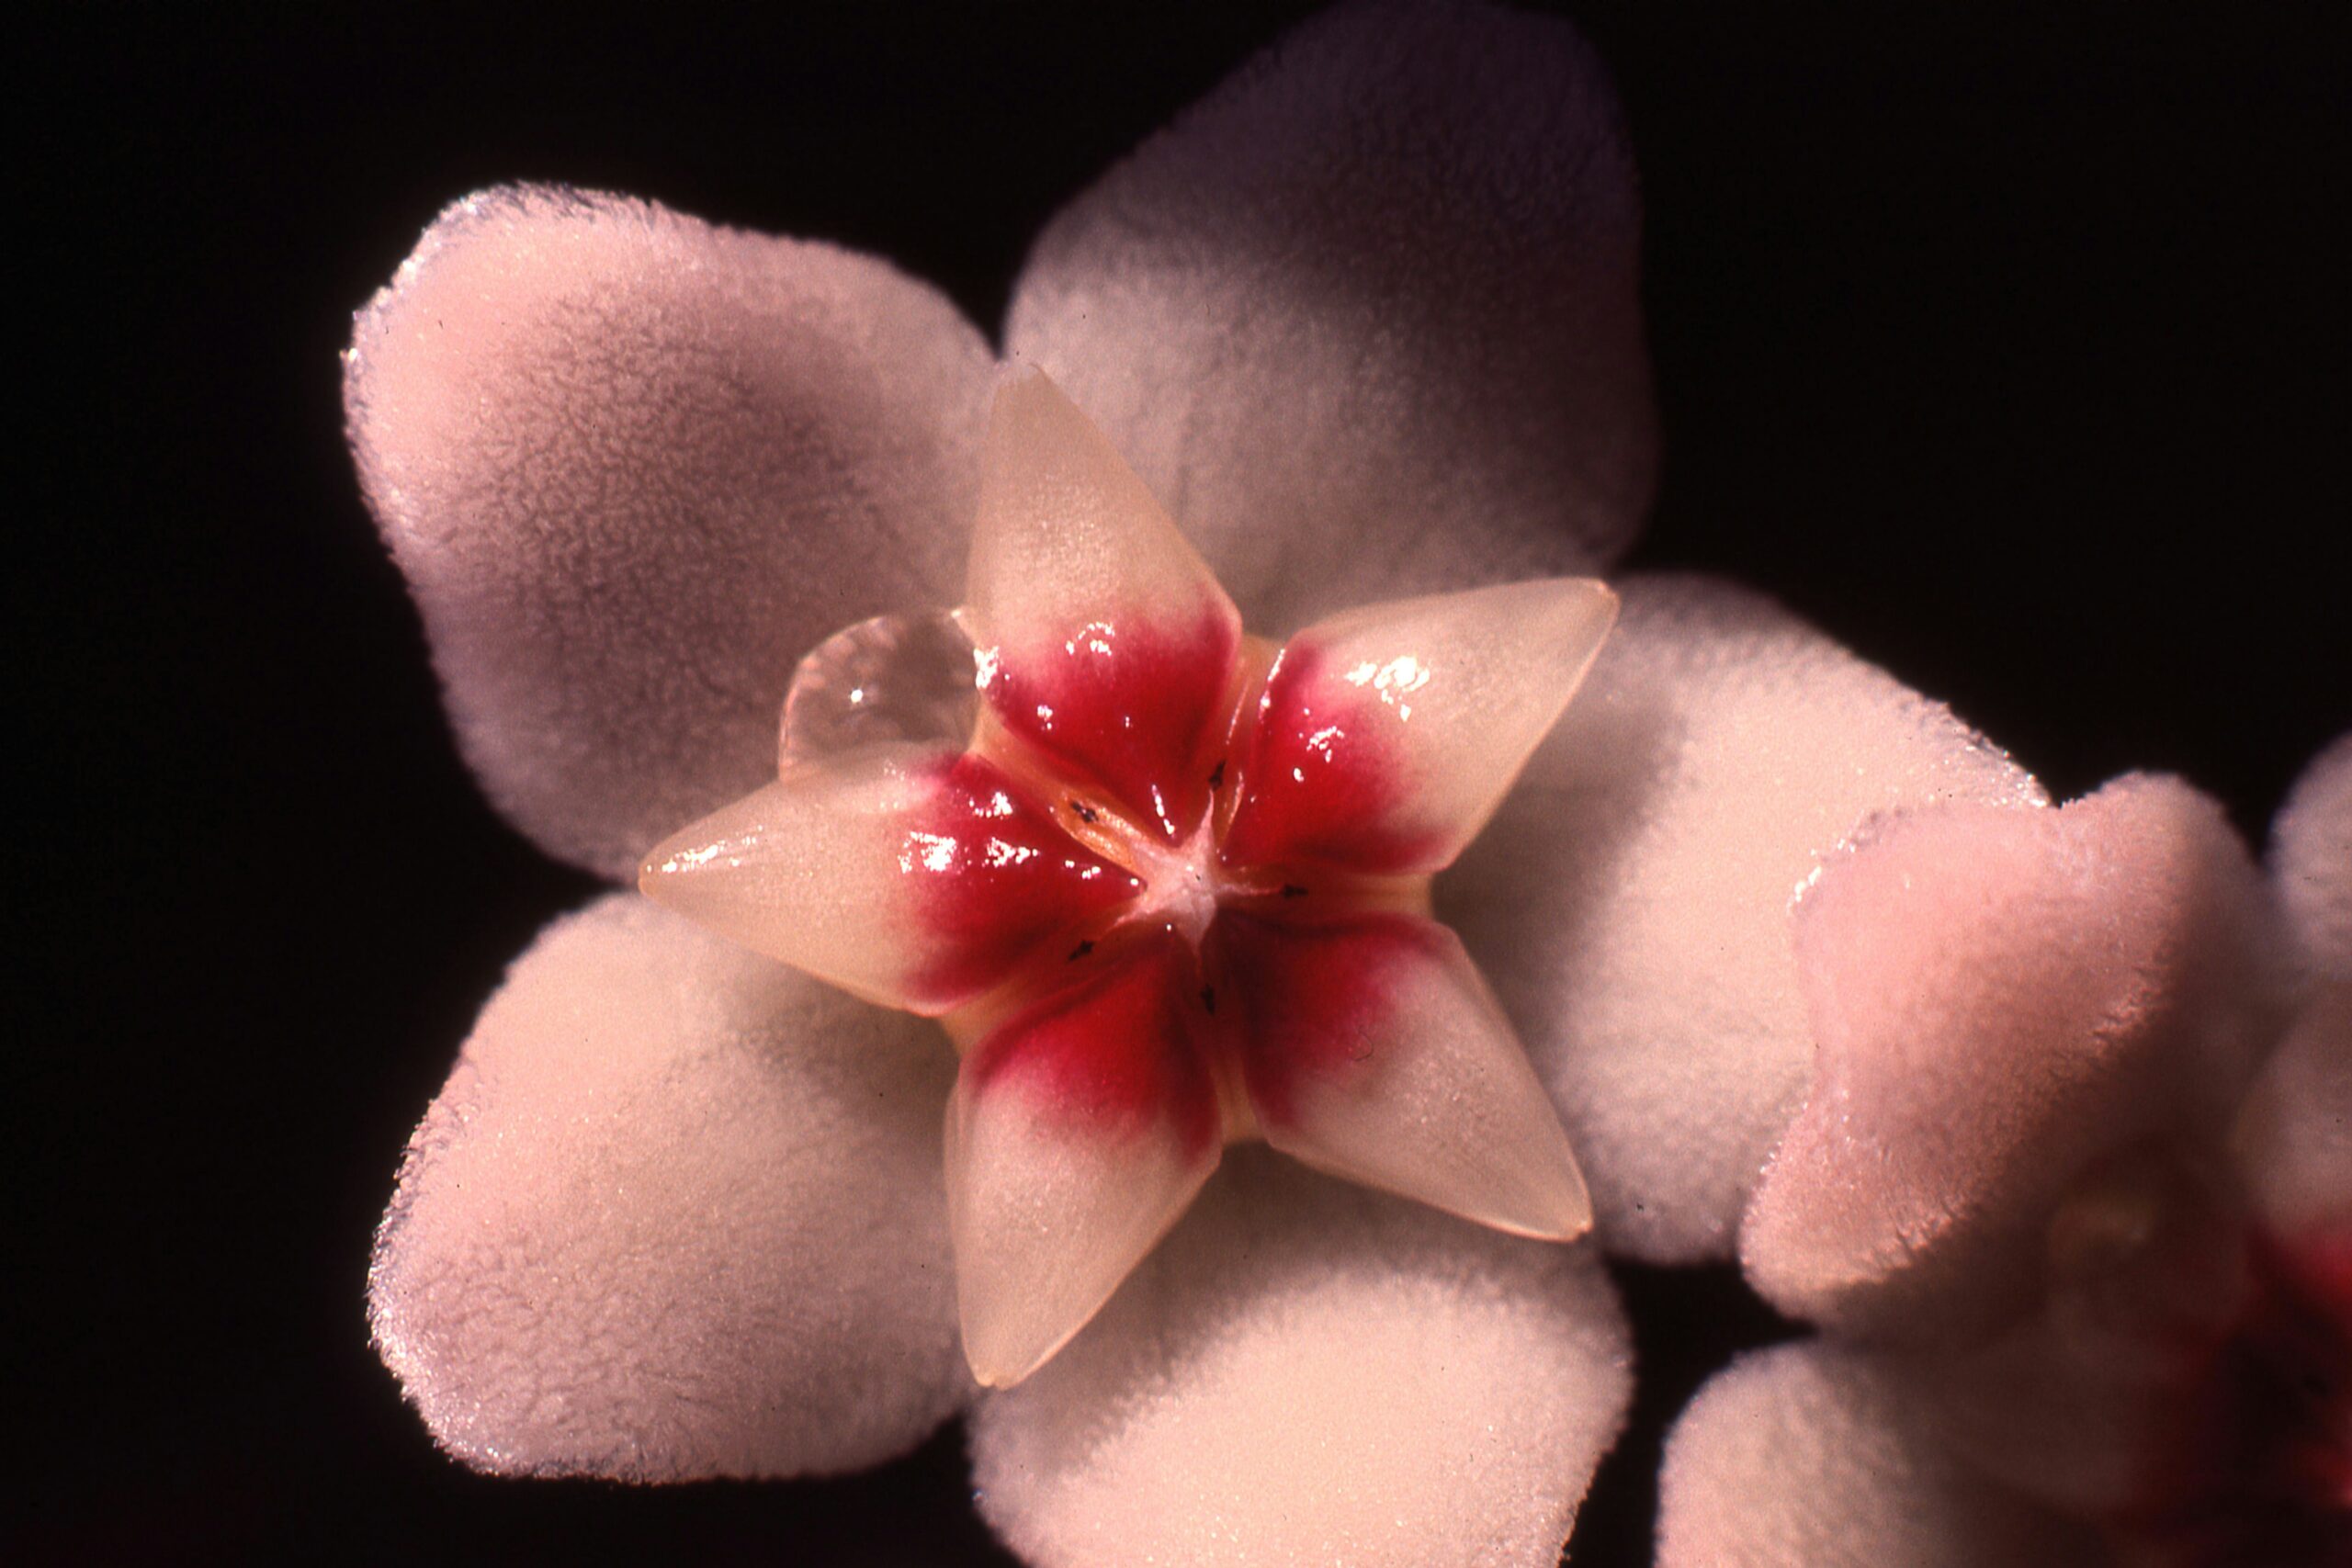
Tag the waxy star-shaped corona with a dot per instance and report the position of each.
(1172, 892)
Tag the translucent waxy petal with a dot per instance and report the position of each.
(1388, 735)
(1367, 318)
(1807, 1456)
(633, 467)
(2002, 999)
(2310, 859)
(676, 1214)
(905, 679)
(1309, 1373)
(1372, 1050)
(915, 877)
(1104, 641)
(1629, 903)
(1079, 1131)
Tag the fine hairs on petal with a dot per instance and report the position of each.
(2000, 998)
(1807, 1454)
(677, 1215)
(1309, 1373)
(1367, 318)
(1630, 901)
(633, 467)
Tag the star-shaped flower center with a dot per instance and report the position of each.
(1173, 889)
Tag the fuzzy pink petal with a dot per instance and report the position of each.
(2001, 999)
(1366, 318)
(1629, 903)
(1807, 1456)
(2295, 1131)
(1309, 1373)
(633, 467)
(2311, 859)
(677, 1213)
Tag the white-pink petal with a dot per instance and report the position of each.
(1367, 317)
(2000, 999)
(1808, 1456)
(633, 467)
(1309, 1373)
(677, 1213)
(2311, 859)
(1630, 901)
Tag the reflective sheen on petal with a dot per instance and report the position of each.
(1373, 1051)
(1387, 735)
(633, 466)
(1307, 1372)
(1080, 1129)
(1367, 318)
(915, 877)
(635, 1236)
(1807, 1456)
(2001, 999)
(1104, 641)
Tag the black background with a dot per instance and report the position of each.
(2006, 342)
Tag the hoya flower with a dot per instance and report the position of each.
(2088, 1277)
(1153, 812)
(1364, 323)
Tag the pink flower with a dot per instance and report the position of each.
(2072, 1195)
(1364, 323)
(1150, 814)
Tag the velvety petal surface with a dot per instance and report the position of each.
(1629, 902)
(1366, 318)
(2295, 1131)
(1308, 1372)
(1387, 735)
(2310, 859)
(633, 467)
(1080, 1129)
(677, 1213)
(1808, 1456)
(1103, 640)
(1372, 1050)
(2000, 998)
(916, 877)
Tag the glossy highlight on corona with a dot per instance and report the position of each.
(1170, 891)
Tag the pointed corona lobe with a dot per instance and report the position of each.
(1106, 644)
(1079, 1131)
(1387, 736)
(917, 877)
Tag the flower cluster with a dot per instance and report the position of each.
(1271, 963)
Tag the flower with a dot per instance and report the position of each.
(1365, 320)
(1152, 813)
(2077, 1223)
